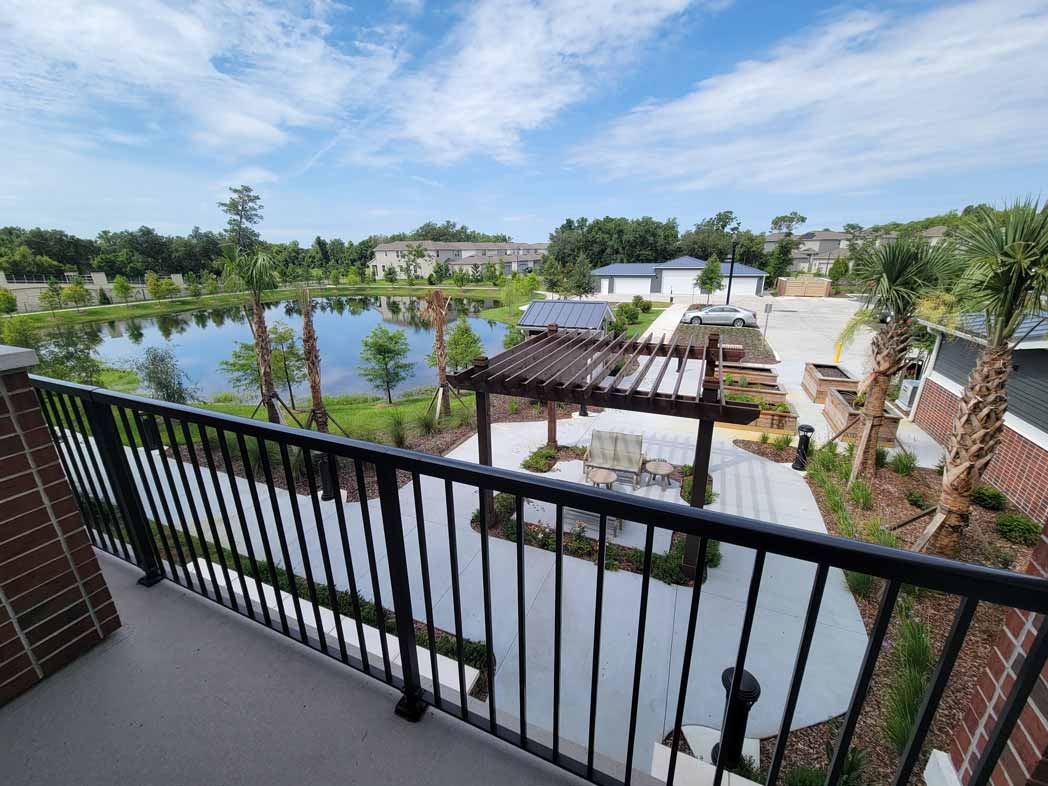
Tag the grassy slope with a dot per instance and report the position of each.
(152, 308)
(645, 322)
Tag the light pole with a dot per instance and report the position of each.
(731, 267)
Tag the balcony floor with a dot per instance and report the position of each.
(188, 692)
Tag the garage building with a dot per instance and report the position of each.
(675, 277)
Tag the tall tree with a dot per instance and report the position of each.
(1005, 281)
(897, 275)
(51, 297)
(463, 345)
(288, 360)
(311, 353)
(435, 309)
(77, 294)
(256, 271)
(580, 279)
(383, 352)
(788, 223)
(244, 211)
(122, 288)
(162, 377)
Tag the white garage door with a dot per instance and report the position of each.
(629, 285)
(679, 282)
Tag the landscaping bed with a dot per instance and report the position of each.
(821, 377)
(893, 496)
(843, 406)
(772, 394)
(744, 373)
(750, 339)
(772, 450)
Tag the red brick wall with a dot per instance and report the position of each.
(1025, 759)
(1019, 468)
(54, 602)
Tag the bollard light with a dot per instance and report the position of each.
(151, 434)
(804, 432)
(736, 713)
(328, 468)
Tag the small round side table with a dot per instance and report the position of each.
(602, 477)
(659, 471)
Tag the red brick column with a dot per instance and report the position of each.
(1025, 759)
(54, 602)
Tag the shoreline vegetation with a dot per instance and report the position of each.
(153, 308)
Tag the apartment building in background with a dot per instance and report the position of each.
(819, 249)
(510, 257)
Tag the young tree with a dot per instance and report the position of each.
(383, 352)
(244, 211)
(1005, 281)
(193, 286)
(552, 273)
(8, 302)
(77, 294)
(153, 285)
(311, 359)
(839, 270)
(896, 275)
(162, 377)
(166, 288)
(257, 273)
(390, 274)
(710, 278)
(580, 281)
(210, 283)
(122, 288)
(463, 345)
(413, 262)
(51, 297)
(436, 310)
(288, 361)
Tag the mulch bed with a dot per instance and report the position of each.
(750, 339)
(767, 450)
(935, 610)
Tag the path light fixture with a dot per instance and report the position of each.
(736, 712)
(804, 432)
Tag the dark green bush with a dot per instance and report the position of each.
(628, 313)
(917, 499)
(990, 498)
(805, 776)
(882, 457)
(1017, 528)
(541, 460)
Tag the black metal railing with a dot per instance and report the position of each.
(194, 496)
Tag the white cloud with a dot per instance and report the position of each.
(864, 99)
(252, 175)
(511, 67)
(242, 75)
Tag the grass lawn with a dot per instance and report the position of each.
(645, 323)
(152, 308)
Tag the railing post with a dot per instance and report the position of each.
(118, 471)
(411, 705)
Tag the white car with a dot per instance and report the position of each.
(720, 315)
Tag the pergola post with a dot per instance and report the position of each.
(487, 498)
(701, 470)
(551, 405)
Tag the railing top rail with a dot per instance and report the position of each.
(931, 572)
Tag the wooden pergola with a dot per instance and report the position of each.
(590, 368)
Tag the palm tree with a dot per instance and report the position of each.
(1006, 280)
(258, 274)
(436, 310)
(319, 413)
(897, 275)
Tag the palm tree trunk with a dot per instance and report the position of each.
(889, 354)
(976, 432)
(312, 357)
(265, 359)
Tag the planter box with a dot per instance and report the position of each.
(773, 420)
(761, 375)
(773, 394)
(839, 409)
(821, 377)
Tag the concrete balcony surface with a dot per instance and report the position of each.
(188, 692)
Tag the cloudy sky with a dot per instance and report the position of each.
(509, 115)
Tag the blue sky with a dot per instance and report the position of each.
(359, 118)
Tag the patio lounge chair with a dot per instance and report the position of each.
(620, 453)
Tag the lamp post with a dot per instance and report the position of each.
(731, 267)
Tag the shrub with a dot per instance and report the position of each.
(541, 460)
(627, 313)
(861, 494)
(861, 584)
(782, 441)
(748, 769)
(426, 420)
(765, 438)
(940, 466)
(1017, 528)
(917, 499)
(905, 695)
(879, 534)
(513, 407)
(997, 556)
(805, 776)
(882, 457)
(990, 498)
(224, 397)
(642, 305)
(685, 491)
(398, 428)
(903, 462)
(915, 645)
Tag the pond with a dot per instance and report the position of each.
(202, 339)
